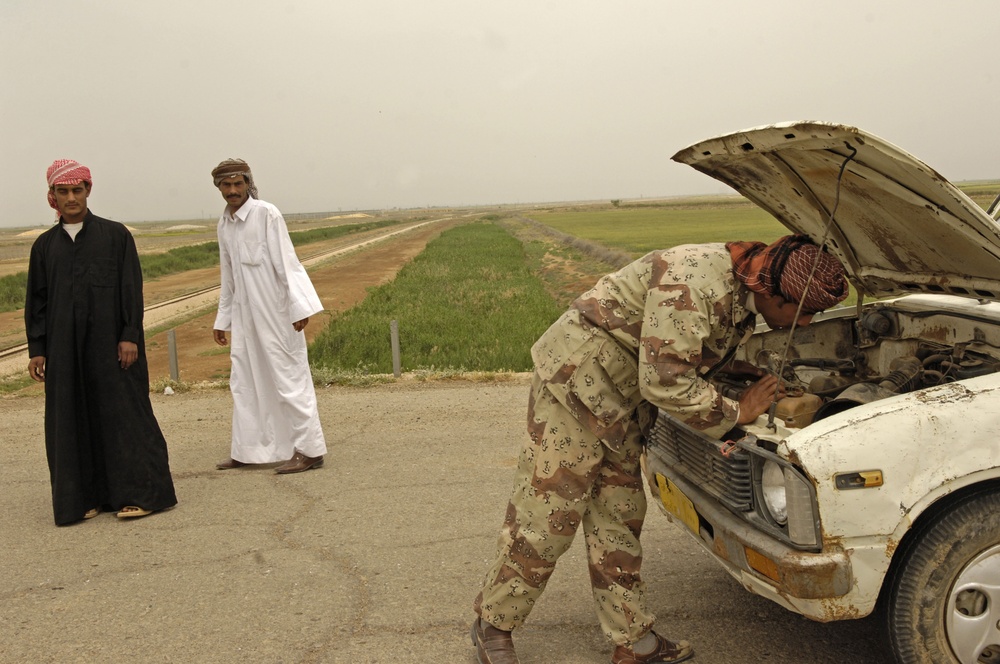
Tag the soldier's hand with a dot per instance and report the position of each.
(757, 398)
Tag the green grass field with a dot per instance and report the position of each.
(469, 301)
(639, 230)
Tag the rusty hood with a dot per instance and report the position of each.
(899, 226)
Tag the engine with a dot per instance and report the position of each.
(841, 364)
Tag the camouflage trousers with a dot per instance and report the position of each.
(566, 478)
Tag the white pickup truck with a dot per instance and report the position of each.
(879, 480)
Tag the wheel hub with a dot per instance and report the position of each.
(972, 617)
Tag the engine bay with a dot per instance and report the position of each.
(846, 361)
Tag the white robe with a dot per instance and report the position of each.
(264, 290)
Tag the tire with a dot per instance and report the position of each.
(944, 603)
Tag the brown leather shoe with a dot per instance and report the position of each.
(665, 652)
(493, 646)
(298, 463)
(228, 464)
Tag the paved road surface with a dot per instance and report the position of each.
(374, 558)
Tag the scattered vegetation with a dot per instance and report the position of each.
(12, 291)
(437, 375)
(160, 384)
(18, 383)
(180, 259)
(357, 377)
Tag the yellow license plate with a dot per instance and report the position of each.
(677, 503)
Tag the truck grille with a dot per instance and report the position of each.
(700, 460)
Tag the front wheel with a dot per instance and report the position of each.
(944, 604)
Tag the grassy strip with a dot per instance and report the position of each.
(469, 301)
(180, 259)
(330, 232)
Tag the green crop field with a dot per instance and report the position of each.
(639, 230)
(469, 301)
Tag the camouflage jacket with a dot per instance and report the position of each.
(647, 334)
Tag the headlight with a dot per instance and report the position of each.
(772, 484)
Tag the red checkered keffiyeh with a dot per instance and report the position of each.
(65, 171)
(783, 268)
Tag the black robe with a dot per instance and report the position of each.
(103, 443)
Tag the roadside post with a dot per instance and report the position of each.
(394, 337)
(172, 354)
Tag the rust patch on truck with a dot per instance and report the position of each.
(946, 394)
(719, 547)
(808, 576)
(890, 547)
(833, 611)
(941, 334)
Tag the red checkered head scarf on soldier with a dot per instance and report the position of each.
(783, 268)
(65, 171)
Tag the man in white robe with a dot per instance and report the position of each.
(265, 301)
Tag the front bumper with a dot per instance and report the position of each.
(803, 582)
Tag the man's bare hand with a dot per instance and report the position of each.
(757, 398)
(300, 325)
(220, 337)
(36, 368)
(128, 353)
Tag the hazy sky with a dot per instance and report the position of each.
(399, 103)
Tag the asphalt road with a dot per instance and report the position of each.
(374, 558)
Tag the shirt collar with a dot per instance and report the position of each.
(242, 213)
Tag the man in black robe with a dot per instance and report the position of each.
(83, 318)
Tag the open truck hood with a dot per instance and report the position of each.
(899, 225)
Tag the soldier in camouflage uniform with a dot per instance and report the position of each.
(642, 338)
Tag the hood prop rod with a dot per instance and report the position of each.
(798, 312)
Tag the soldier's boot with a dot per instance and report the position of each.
(665, 652)
(493, 646)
